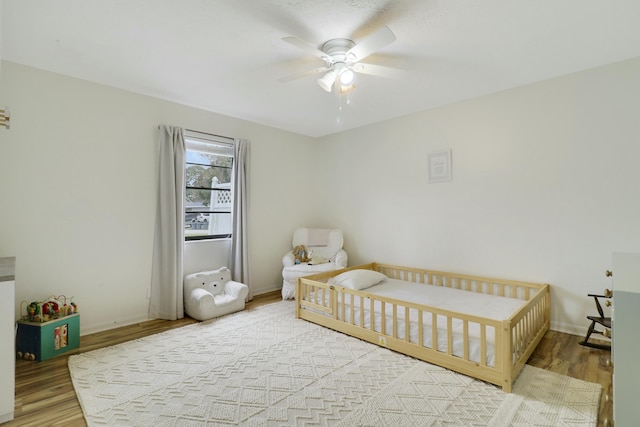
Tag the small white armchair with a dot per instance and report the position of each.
(210, 294)
(324, 244)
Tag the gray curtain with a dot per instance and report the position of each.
(167, 301)
(239, 257)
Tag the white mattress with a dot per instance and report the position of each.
(470, 303)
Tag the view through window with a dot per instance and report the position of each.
(208, 198)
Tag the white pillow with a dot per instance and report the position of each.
(357, 279)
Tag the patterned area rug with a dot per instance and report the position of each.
(262, 367)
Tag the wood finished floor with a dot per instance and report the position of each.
(45, 395)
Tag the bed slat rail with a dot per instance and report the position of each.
(390, 319)
(528, 327)
(491, 286)
(514, 340)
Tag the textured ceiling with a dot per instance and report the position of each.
(227, 55)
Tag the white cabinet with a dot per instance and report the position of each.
(626, 338)
(7, 335)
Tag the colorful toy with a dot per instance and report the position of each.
(301, 254)
(51, 309)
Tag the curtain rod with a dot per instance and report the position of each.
(210, 134)
(203, 133)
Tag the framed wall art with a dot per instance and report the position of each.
(440, 166)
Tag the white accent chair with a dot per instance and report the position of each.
(210, 294)
(322, 243)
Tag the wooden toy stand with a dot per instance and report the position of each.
(45, 340)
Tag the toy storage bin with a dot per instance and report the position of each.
(48, 339)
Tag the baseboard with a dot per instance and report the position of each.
(576, 330)
(101, 327)
(268, 291)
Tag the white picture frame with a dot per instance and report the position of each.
(440, 166)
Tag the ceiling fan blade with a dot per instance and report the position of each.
(302, 74)
(378, 70)
(307, 47)
(371, 44)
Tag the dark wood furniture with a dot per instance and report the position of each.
(602, 320)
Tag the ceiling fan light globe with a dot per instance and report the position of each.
(347, 77)
(326, 81)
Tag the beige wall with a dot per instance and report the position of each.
(545, 186)
(77, 191)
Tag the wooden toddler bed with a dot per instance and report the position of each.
(490, 336)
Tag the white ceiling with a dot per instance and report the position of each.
(226, 55)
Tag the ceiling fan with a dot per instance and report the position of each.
(342, 58)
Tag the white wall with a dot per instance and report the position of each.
(544, 189)
(545, 186)
(1, 7)
(77, 192)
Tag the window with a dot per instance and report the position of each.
(208, 199)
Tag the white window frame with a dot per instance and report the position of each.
(208, 144)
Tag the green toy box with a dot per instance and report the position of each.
(48, 339)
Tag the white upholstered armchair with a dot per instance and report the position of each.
(326, 253)
(210, 294)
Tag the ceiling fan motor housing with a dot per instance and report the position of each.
(337, 49)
